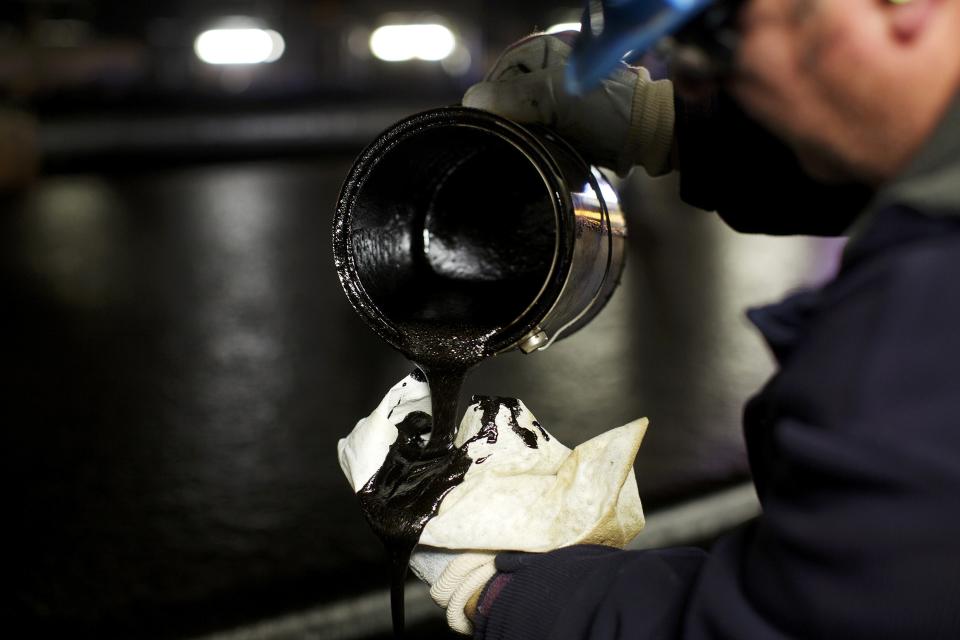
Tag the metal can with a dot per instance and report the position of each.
(460, 217)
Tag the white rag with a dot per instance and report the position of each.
(514, 497)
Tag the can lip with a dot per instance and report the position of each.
(456, 116)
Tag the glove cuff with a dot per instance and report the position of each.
(463, 578)
(650, 137)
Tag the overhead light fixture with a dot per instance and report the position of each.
(246, 45)
(401, 42)
(564, 26)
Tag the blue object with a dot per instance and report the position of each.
(612, 28)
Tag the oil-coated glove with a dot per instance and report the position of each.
(523, 491)
(627, 120)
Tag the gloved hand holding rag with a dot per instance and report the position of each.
(523, 490)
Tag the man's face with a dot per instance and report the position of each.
(803, 70)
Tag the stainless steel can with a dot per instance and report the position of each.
(460, 217)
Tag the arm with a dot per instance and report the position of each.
(729, 164)
(854, 447)
(588, 591)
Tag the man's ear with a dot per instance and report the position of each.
(910, 18)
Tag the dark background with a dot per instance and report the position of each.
(179, 360)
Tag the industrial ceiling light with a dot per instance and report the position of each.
(401, 42)
(239, 45)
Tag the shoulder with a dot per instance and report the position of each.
(905, 266)
(886, 336)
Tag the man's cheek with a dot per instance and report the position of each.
(759, 97)
(766, 82)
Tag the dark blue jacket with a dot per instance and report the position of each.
(854, 443)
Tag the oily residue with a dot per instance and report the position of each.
(419, 472)
(543, 432)
(405, 493)
(407, 490)
(490, 406)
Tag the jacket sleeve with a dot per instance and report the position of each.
(730, 164)
(588, 592)
(857, 463)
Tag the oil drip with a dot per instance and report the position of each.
(405, 493)
(418, 472)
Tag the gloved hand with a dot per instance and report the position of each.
(524, 491)
(627, 120)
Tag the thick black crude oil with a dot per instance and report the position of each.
(406, 492)
(451, 234)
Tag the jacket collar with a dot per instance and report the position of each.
(930, 186)
(931, 182)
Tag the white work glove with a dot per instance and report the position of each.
(514, 496)
(627, 120)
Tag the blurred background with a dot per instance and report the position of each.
(180, 361)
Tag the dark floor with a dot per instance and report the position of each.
(180, 362)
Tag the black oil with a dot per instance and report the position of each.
(446, 328)
(452, 237)
(490, 407)
(417, 473)
(405, 493)
(454, 224)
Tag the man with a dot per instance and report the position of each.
(855, 442)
